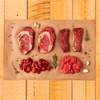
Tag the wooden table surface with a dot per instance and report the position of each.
(50, 90)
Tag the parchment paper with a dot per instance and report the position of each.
(12, 51)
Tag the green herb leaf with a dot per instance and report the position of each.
(14, 68)
(16, 72)
(54, 61)
(54, 58)
(87, 37)
(54, 64)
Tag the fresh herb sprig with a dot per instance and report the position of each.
(16, 71)
(87, 37)
(54, 61)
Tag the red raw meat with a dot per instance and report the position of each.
(25, 39)
(70, 64)
(46, 39)
(25, 64)
(28, 65)
(78, 32)
(63, 38)
(43, 64)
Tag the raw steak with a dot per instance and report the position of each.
(25, 39)
(70, 64)
(63, 38)
(46, 39)
(78, 32)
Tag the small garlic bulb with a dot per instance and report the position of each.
(87, 63)
(85, 71)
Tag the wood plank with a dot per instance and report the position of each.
(61, 9)
(78, 90)
(1, 47)
(84, 9)
(60, 90)
(89, 13)
(15, 9)
(78, 86)
(36, 90)
(38, 9)
(15, 90)
(97, 49)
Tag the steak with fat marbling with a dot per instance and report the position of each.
(25, 39)
(46, 39)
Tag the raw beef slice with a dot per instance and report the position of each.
(46, 39)
(63, 38)
(25, 39)
(78, 32)
(70, 64)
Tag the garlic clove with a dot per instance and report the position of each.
(87, 63)
(85, 71)
(36, 25)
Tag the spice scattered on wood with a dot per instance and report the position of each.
(54, 61)
(10, 35)
(87, 37)
(11, 42)
(85, 53)
(33, 56)
(16, 71)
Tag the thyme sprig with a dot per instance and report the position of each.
(54, 61)
(87, 37)
(16, 71)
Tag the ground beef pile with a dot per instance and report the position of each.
(28, 65)
(70, 64)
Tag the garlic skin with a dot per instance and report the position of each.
(36, 25)
(85, 71)
(87, 63)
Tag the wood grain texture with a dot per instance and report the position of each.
(78, 90)
(61, 9)
(84, 9)
(38, 9)
(38, 90)
(15, 9)
(97, 49)
(15, 90)
(60, 90)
